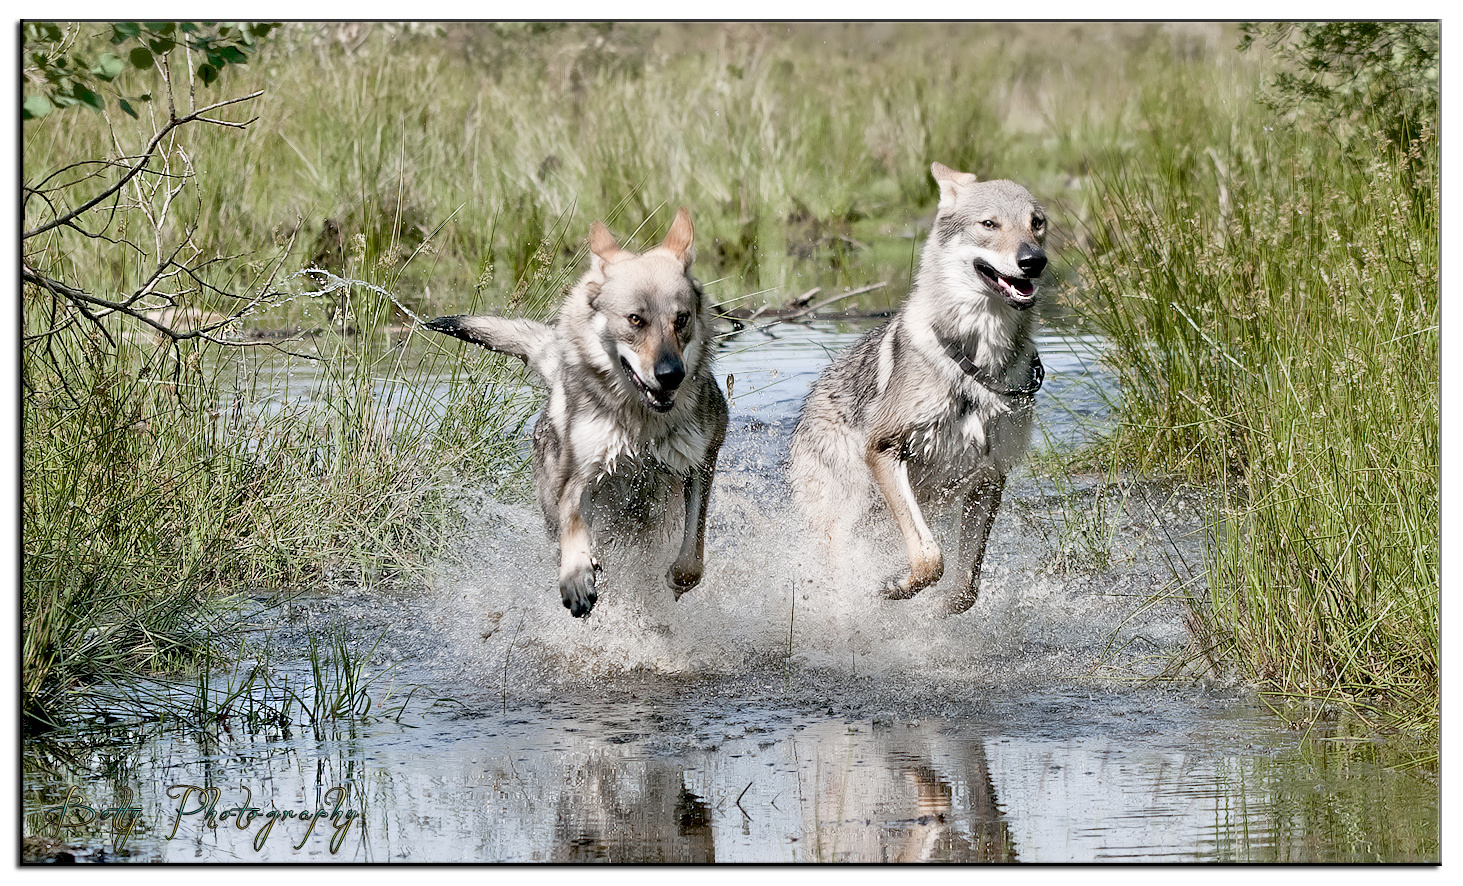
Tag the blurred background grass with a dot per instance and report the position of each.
(802, 149)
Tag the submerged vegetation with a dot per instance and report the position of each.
(1256, 236)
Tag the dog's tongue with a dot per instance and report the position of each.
(1017, 287)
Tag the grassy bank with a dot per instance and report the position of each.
(1268, 281)
(1271, 283)
(151, 492)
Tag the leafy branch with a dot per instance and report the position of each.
(147, 154)
(86, 198)
(66, 69)
(1386, 68)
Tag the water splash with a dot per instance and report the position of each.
(768, 603)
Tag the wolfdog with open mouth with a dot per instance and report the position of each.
(935, 407)
(634, 414)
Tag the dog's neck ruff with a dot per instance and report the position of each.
(957, 350)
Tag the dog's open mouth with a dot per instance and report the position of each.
(659, 401)
(1019, 292)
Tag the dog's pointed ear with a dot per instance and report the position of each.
(604, 249)
(679, 238)
(949, 179)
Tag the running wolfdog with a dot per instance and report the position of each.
(935, 407)
(634, 414)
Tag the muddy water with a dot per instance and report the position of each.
(776, 713)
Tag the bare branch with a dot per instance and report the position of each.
(82, 299)
(824, 303)
(173, 123)
(61, 289)
(159, 273)
(39, 187)
(228, 122)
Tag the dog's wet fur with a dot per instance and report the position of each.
(634, 418)
(934, 408)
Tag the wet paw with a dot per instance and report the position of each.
(957, 604)
(577, 589)
(963, 599)
(925, 569)
(682, 577)
(900, 587)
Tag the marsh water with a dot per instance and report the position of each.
(779, 712)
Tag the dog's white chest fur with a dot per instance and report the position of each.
(972, 431)
(679, 451)
(975, 434)
(613, 444)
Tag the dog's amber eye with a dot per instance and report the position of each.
(989, 224)
(636, 320)
(681, 320)
(1037, 223)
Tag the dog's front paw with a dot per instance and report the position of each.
(899, 587)
(684, 575)
(963, 599)
(926, 569)
(577, 589)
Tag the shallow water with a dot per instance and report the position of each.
(775, 713)
(723, 771)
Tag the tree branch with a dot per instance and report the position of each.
(174, 122)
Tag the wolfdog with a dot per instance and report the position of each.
(935, 406)
(634, 414)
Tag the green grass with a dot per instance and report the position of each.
(1272, 292)
(1268, 282)
(149, 495)
(803, 150)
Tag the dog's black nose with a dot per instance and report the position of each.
(669, 372)
(1031, 260)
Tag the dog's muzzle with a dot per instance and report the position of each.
(669, 373)
(1018, 292)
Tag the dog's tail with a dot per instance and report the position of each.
(528, 340)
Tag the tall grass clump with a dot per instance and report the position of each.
(198, 422)
(1270, 285)
(153, 492)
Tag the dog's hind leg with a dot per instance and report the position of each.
(976, 519)
(685, 573)
(926, 565)
(830, 484)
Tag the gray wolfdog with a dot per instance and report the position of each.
(634, 414)
(934, 407)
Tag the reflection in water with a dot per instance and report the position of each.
(758, 722)
(1131, 777)
(636, 813)
(931, 836)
